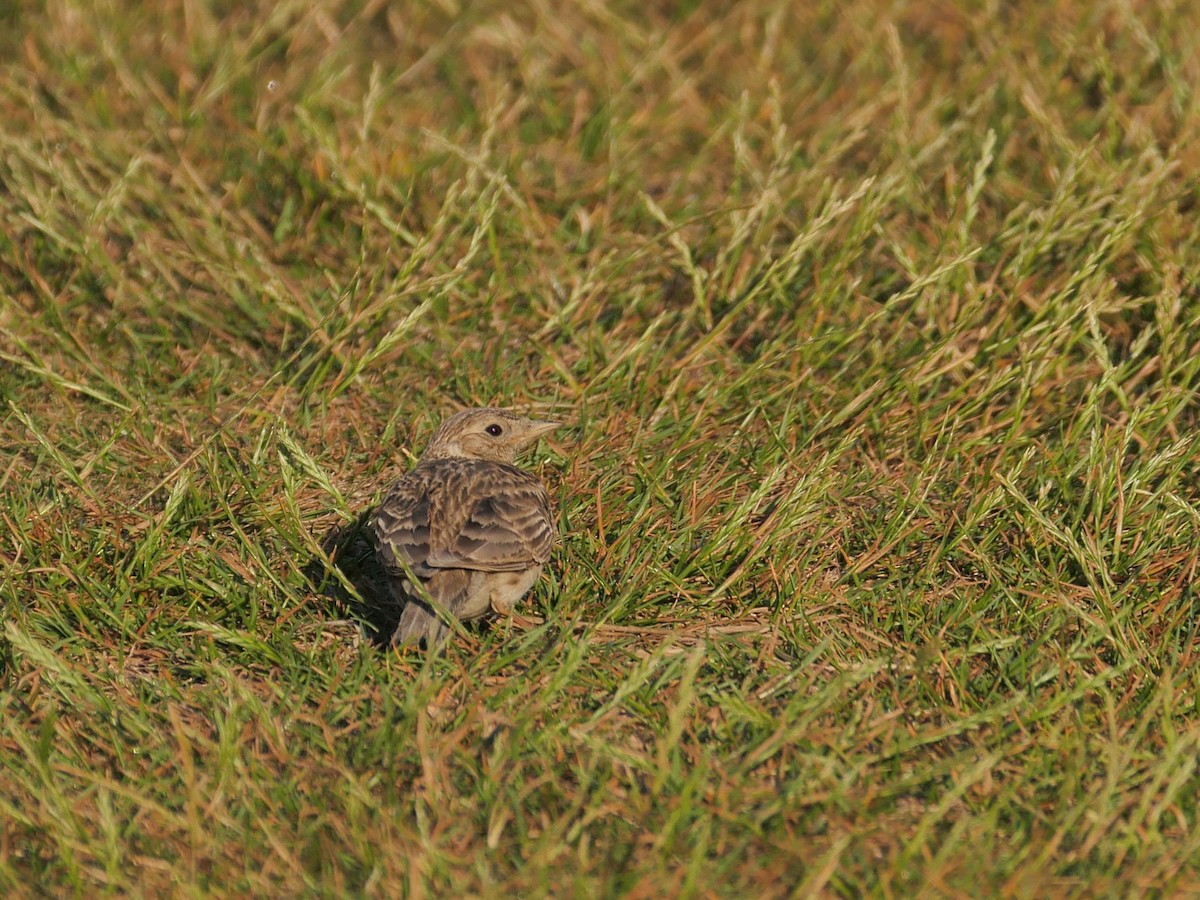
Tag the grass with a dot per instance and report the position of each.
(877, 329)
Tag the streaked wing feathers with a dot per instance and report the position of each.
(506, 530)
(400, 527)
(468, 514)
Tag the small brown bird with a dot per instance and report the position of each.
(471, 527)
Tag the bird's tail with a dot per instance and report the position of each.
(418, 622)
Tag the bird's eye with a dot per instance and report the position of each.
(494, 430)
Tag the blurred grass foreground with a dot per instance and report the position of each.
(875, 325)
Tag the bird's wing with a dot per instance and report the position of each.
(490, 517)
(400, 527)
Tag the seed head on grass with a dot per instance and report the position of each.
(465, 532)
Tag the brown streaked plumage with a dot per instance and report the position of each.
(471, 527)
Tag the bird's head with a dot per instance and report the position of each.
(494, 434)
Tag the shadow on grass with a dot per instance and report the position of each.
(349, 551)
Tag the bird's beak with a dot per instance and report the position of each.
(538, 428)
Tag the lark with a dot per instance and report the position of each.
(468, 525)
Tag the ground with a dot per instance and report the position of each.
(875, 329)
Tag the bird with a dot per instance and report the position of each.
(465, 532)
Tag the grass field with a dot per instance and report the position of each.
(877, 332)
